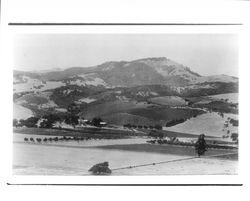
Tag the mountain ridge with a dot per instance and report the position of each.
(144, 71)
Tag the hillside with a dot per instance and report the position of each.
(148, 71)
(144, 91)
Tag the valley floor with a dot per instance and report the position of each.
(75, 158)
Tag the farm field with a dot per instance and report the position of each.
(211, 124)
(125, 118)
(232, 97)
(92, 131)
(108, 108)
(139, 113)
(20, 112)
(169, 100)
(78, 132)
(75, 158)
(161, 113)
(82, 100)
(19, 138)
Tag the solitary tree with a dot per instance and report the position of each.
(156, 134)
(73, 114)
(15, 123)
(200, 145)
(96, 121)
(72, 119)
(158, 127)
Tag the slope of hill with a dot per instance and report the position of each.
(217, 78)
(20, 112)
(149, 71)
(169, 100)
(143, 90)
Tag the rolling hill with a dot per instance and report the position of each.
(143, 90)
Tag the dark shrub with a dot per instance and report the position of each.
(30, 122)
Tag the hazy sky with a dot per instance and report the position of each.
(206, 54)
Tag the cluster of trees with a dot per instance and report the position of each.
(234, 122)
(173, 141)
(31, 122)
(47, 121)
(155, 134)
(175, 122)
(234, 137)
(157, 126)
(96, 121)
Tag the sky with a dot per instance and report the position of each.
(206, 54)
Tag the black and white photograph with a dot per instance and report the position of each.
(117, 104)
(124, 100)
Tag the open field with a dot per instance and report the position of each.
(232, 97)
(20, 112)
(143, 113)
(158, 113)
(168, 133)
(92, 131)
(19, 138)
(211, 124)
(108, 108)
(168, 149)
(125, 118)
(81, 132)
(37, 99)
(121, 148)
(56, 160)
(75, 159)
(169, 100)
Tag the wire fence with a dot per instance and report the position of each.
(170, 161)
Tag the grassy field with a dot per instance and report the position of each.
(169, 100)
(39, 159)
(232, 97)
(169, 149)
(20, 112)
(108, 108)
(33, 99)
(125, 118)
(98, 131)
(211, 124)
(220, 106)
(167, 133)
(141, 112)
(158, 113)
(85, 132)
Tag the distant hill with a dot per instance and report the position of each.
(118, 91)
(148, 71)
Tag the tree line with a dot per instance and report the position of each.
(175, 122)
(48, 121)
(157, 126)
